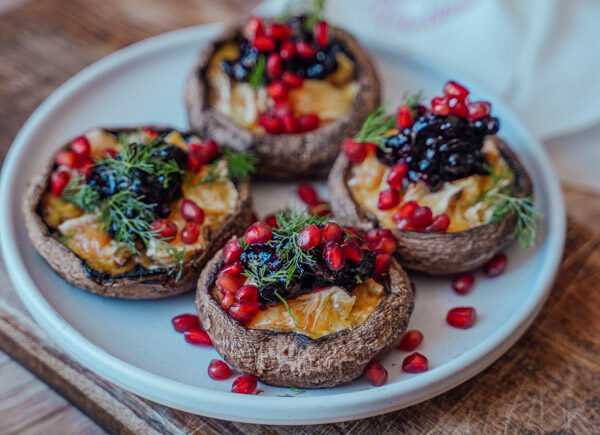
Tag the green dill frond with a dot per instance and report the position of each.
(412, 100)
(65, 239)
(314, 13)
(287, 307)
(212, 175)
(256, 77)
(78, 192)
(376, 125)
(240, 164)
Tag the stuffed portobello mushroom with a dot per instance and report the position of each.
(291, 89)
(302, 303)
(135, 213)
(438, 182)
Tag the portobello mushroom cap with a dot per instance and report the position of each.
(137, 284)
(285, 156)
(288, 358)
(434, 253)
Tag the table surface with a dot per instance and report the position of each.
(44, 42)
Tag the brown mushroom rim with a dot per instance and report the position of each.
(329, 98)
(82, 233)
(320, 313)
(459, 199)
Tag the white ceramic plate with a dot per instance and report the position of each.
(132, 343)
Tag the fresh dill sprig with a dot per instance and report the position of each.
(240, 165)
(84, 196)
(376, 126)
(256, 76)
(412, 100)
(314, 13)
(66, 238)
(212, 175)
(287, 307)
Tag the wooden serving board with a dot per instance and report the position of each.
(549, 380)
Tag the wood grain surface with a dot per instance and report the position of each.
(548, 382)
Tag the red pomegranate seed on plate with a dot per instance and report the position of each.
(243, 312)
(334, 256)
(206, 151)
(185, 322)
(263, 43)
(244, 384)
(397, 174)
(149, 135)
(403, 223)
(478, 110)
(331, 232)
(292, 80)
(252, 28)
(247, 293)
(190, 233)
(407, 211)
(234, 268)
(453, 89)
(227, 300)
(277, 91)
(58, 181)
(289, 123)
(219, 370)
(355, 151)
(305, 50)
(86, 168)
(258, 232)
(308, 122)
(194, 163)
(278, 31)
(388, 198)
(321, 33)
(111, 152)
(462, 283)
(229, 283)
(458, 107)
(66, 158)
(382, 265)
(287, 50)
(81, 148)
(404, 118)
(375, 234)
(387, 245)
(422, 218)
(271, 124)
(440, 106)
(376, 373)
(274, 68)
(165, 229)
(439, 225)
(271, 220)
(190, 211)
(307, 193)
(198, 337)
(309, 237)
(415, 363)
(495, 266)
(352, 251)
(411, 340)
(461, 317)
(232, 250)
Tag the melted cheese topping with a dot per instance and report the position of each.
(323, 312)
(329, 98)
(457, 198)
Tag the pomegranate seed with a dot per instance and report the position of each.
(458, 107)
(404, 118)
(190, 211)
(335, 256)
(194, 163)
(263, 43)
(253, 27)
(243, 312)
(397, 174)
(309, 237)
(81, 148)
(307, 193)
(461, 317)
(382, 265)
(277, 90)
(320, 208)
(407, 211)
(353, 231)
(279, 31)
(164, 229)
(422, 218)
(235, 268)
(495, 266)
(403, 223)
(352, 251)
(478, 110)
(247, 293)
(331, 232)
(305, 50)
(232, 250)
(308, 122)
(219, 370)
(58, 181)
(462, 283)
(415, 363)
(149, 135)
(388, 198)
(411, 340)
(440, 106)
(198, 337)
(66, 158)
(321, 33)
(270, 123)
(386, 245)
(229, 283)
(289, 122)
(206, 151)
(292, 80)
(355, 151)
(190, 233)
(227, 300)
(274, 68)
(453, 89)
(420, 109)
(287, 50)
(272, 221)
(439, 225)
(111, 152)
(244, 384)
(376, 373)
(258, 232)
(375, 234)
(185, 322)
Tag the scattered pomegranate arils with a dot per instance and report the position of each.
(307, 193)
(263, 43)
(453, 89)
(458, 107)
(190, 211)
(495, 266)
(234, 268)
(382, 265)
(397, 174)
(165, 229)
(289, 122)
(334, 256)
(149, 135)
(376, 373)
(308, 122)
(247, 293)
(81, 148)
(404, 117)
(461, 317)
(375, 234)
(58, 181)
(410, 340)
(277, 91)
(243, 312)
(194, 163)
(388, 198)
(111, 152)
(305, 50)
(232, 250)
(244, 384)
(274, 68)
(229, 283)
(321, 33)
(320, 208)
(292, 80)
(197, 337)
(403, 223)
(352, 251)
(190, 233)
(440, 106)
(287, 50)
(270, 123)
(227, 300)
(478, 110)
(407, 211)
(462, 283)
(386, 245)
(219, 370)
(439, 225)
(309, 237)
(415, 363)
(331, 232)
(185, 322)
(422, 218)
(278, 31)
(252, 28)
(66, 158)
(258, 232)
(353, 231)
(420, 110)
(86, 168)
(355, 151)
(272, 221)
(206, 151)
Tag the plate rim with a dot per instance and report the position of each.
(177, 394)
